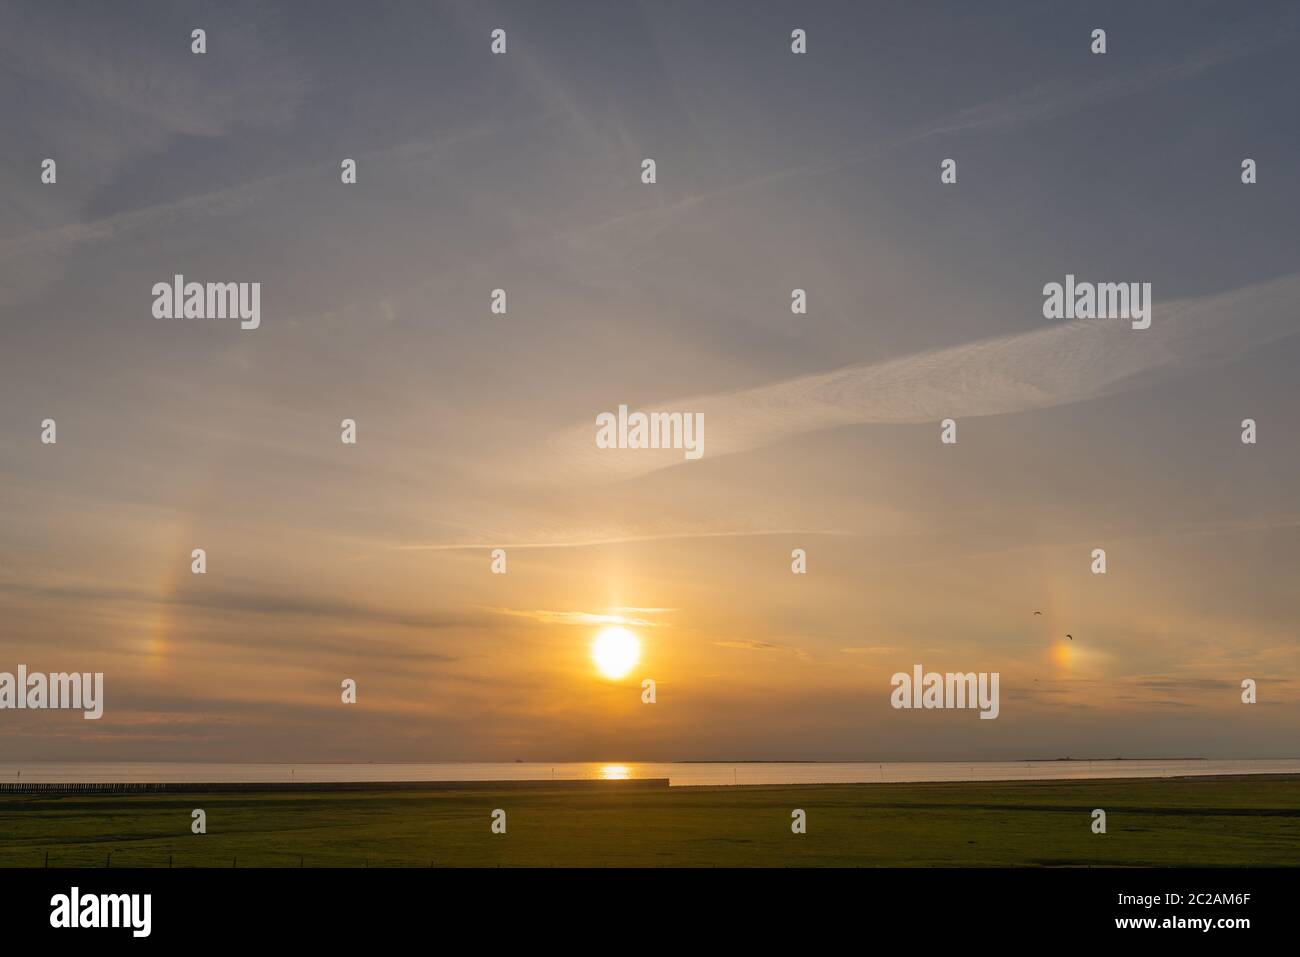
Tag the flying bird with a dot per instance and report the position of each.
(1038, 613)
(1071, 637)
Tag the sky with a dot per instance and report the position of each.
(475, 431)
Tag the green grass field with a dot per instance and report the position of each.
(1225, 821)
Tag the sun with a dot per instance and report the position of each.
(615, 651)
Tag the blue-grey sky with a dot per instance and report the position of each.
(775, 171)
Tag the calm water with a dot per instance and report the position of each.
(678, 774)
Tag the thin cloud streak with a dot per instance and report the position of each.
(1066, 362)
(620, 540)
(1040, 104)
(578, 618)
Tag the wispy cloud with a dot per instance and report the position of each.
(755, 645)
(122, 65)
(1061, 363)
(578, 618)
(1045, 102)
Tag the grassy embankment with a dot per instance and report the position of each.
(1239, 821)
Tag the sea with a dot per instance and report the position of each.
(679, 774)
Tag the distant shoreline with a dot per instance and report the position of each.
(952, 761)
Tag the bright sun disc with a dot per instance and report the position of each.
(615, 651)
